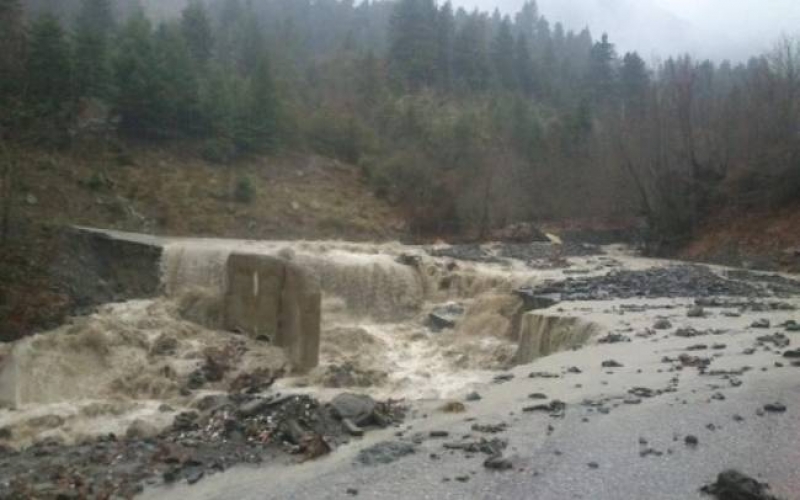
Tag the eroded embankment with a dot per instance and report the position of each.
(378, 336)
(397, 322)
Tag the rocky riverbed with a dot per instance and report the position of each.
(686, 387)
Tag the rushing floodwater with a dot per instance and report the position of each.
(100, 373)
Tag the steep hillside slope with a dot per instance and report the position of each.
(761, 239)
(168, 191)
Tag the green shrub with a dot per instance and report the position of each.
(219, 150)
(96, 182)
(245, 191)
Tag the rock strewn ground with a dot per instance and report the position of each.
(672, 281)
(230, 430)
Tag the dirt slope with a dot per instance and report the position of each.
(171, 192)
(759, 239)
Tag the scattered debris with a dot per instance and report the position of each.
(385, 453)
(555, 408)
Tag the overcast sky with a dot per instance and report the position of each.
(717, 29)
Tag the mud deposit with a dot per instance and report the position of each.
(146, 394)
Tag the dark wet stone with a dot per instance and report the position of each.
(197, 379)
(779, 340)
(359, 408)
(473, 396)
(642, 392)
(537, 395)
(613, 338)
(491, 447)
(555, 408)
(385, 453)
(691, 440)
(503, 377)
(490, 428)
(445, 317)
(543, 375)
(352, 492)
(194, 476)
(760, 323)
(662, 324)
(352, 428)
(439, 434)
(775, 408)
(611, 364)
(185, 421)
(574, 369)
(498, 463)
(794, 354)
(689, 332)
(593, 465)
(733, 485)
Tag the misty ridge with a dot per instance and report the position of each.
(715, 29)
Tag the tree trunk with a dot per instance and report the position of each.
(5, 218)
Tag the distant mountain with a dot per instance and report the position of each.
(720, 29)
(639, 25)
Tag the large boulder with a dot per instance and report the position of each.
(358, 408)
(271, 297)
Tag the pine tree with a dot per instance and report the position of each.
(471, 59)
(48, 70)
(524, 66)
(139, 99)
(258, 128)
(12, 41)
(94, 25)
(635, 82)
(503, 57)
(446, 29)
(413, 45)
(526, 20)
(178, 81)
(218, 101)
(602, 76)
(197, 31)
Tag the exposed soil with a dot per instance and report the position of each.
(758, 239)
(165, 191)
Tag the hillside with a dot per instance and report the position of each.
(764, 239)
(170, 191)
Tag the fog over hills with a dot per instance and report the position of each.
(716, 29)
